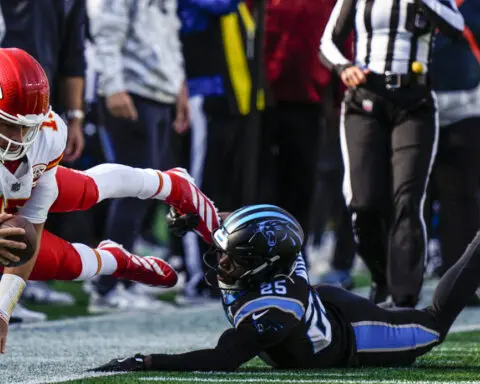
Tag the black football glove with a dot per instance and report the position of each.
(129, 364)
(180, 224)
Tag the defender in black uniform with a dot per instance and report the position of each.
(277, 315)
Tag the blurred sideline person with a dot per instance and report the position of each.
(214, 35)
(294, 122)
(140, 81)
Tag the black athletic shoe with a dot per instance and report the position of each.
(128, 364)
(378, 293)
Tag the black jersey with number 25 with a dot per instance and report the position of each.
(285, 322)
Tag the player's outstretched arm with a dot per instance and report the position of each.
(234, 348)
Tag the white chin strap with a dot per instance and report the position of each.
(6, 154)
(234, 287)
(253, 272)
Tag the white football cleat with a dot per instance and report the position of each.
(39, 292)
(120, 300)
(22, 315)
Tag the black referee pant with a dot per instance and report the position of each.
(389, 142)
(397, 337)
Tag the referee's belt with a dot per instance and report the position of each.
(393, 81)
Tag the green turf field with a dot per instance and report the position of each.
(456, 361)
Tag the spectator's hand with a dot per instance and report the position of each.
(75, 140)
(121, 105)
(3, 335)
(354, 76)
(182, 120)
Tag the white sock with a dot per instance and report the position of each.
(117, 181)
(95, 262)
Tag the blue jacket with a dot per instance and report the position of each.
(196, 15)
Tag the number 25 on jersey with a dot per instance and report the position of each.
(277, 287)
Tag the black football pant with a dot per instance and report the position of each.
(398, 337)
(389, 141)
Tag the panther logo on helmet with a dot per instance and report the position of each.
(274, 231)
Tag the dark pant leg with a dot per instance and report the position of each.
(364, 140)
(384, 337)
(344, 254)
(222, 176)
(456, 174)
(457, 286)
(398, 337)
(140, 144)
(224, 159)
(299, 132)
(414, 144)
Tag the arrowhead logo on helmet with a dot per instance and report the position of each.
(24, 101)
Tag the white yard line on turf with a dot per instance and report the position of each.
(62, 379)
(114, 316)
(283, 373)
(464, 328)
(284, 381)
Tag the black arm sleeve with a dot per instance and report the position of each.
(445, 15)
(339, 26)
(235, 347)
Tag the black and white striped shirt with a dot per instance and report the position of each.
(389, 34)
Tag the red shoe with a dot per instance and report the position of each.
(186, 197)
(147, 270)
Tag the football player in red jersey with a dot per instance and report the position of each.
(32, 141)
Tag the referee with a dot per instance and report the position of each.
(389, 131)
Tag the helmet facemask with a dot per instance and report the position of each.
(32, 123)
(224, 279)
(244, 270)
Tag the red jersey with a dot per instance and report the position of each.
(292, 39)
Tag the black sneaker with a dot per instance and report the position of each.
(129, 364)
(197, 291)
(378, 293)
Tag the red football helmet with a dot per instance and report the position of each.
(24, 99)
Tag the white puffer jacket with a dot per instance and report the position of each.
(137, 47)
